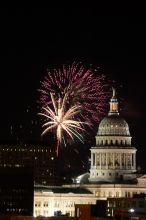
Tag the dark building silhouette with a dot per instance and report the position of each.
(41, 158)
(88, 211)
(16, 191)
(134, 206)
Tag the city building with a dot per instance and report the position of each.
(130, 206)
(112, 171)
(87, 212)
(16, 191)
(40, 158)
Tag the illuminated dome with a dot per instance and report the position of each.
(113, 125)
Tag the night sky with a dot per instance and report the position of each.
(34, 39)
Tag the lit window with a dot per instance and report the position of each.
(97, 193)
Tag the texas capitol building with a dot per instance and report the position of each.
(112, 171)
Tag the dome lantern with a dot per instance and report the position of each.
(113, 104)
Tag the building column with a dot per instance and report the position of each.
(91, 159)
(106, 160)
(134, 161)
(125, 161)
(120, 161)
(131, 161)
(95, 160)
(114, 160)
(100, 160)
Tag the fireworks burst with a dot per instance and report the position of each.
(81, 86)
(62, 120)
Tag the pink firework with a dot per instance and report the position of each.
(81, 86)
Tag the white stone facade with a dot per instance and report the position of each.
(46, 202)
(112, 164)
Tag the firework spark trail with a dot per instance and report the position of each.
(62, 120)
(81, 87)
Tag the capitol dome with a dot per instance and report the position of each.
(113, 125)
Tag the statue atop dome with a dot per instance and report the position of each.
(113, 104)
(114, 93)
